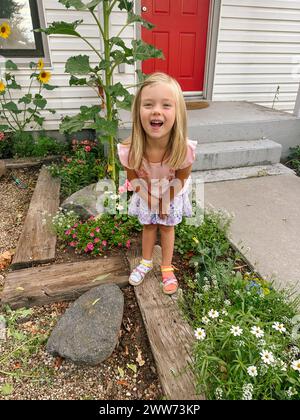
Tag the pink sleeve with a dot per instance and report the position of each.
(123, 152)
(191, 154)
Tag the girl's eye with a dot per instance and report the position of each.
(147, 105)
(167, 105)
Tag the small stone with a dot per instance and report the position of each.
(2, 329)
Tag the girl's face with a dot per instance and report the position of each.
(157, 111)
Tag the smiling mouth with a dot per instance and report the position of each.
(156, 124)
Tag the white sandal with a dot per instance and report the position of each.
(137, 276)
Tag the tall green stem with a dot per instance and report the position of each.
(108, 82)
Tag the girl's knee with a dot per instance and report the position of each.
(164, 228)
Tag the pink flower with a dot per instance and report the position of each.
(74, 236)
(104, 243)
(128, 185)
(128, 244)
(75, 226)
(87, 148)
(112, 231)
(120, 244)
(68, 232)
(92, 234)
(73, 244)
(122, 189)
(2, 135)
(97, 230)
(96, 240)
(90, 246)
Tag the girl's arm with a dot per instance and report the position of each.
(142, 188)
(175, 186)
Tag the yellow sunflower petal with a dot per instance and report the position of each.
(40, 64)
(5, 30)
(44, 76)
(2, 86)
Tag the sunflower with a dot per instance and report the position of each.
(40, 64)
(44, 76)
(5, 30)
(2, 87)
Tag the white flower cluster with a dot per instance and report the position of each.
(247, 392)
(200, 334)
(219, 393)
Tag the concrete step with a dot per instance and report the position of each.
(234, 121)
(218, 175)
(241, 120)
(235, 154)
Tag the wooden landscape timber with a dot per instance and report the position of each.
(171, 338)
(59, 282)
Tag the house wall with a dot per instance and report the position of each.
(67, 100)
(258, 49)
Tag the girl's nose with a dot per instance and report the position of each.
(156, 110)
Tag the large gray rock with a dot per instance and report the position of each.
(88, 331)
(83, 202)
(89, 201)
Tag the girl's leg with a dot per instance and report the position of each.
(169, 281)
(146, 264)
(148, 240)
(167, 243)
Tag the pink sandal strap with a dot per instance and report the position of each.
(170, 280)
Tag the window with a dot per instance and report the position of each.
(23, 18)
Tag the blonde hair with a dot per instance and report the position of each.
(177, 146)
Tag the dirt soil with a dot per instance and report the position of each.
(128, 374)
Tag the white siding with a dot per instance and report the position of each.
(67, 100)
(258, 50)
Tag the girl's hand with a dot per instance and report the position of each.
(153, 203)
(164, 210)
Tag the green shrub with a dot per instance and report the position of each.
(79, 170)
(96, 235)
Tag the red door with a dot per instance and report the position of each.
(180, 32)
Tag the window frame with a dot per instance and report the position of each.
(39, 51)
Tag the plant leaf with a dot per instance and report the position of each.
(125, 4)
(49, 87)
(92, 4)
(77, 4)
(12, 107)
(39, 101)
(79, 64)
(10, 65)
(75, 81)
(26, 99)
(132, 18)
(95, 301)
(121, 372)
(62, 28)
(132, 367)
(143, 51)
(100, 278)
(4, 127)
(6, 389)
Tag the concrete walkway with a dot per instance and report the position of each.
(266, 223)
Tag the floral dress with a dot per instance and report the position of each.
(180, 206)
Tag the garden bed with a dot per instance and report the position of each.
(129, 373)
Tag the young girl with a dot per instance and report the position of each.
(158, 159)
